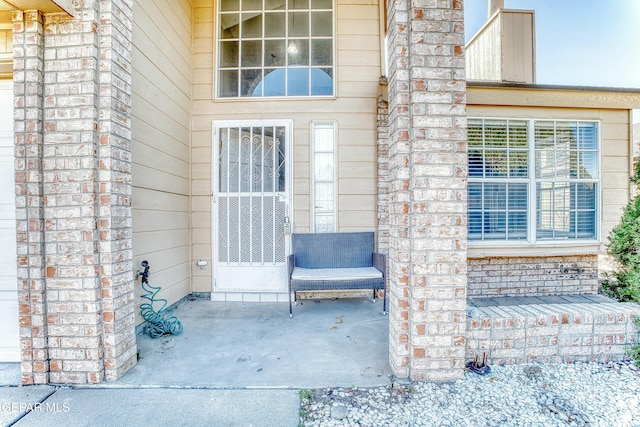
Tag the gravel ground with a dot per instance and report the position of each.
(580, 394)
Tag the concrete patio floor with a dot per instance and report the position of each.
(327, 343)
(234, 345)
(235, 364)
(239, 364)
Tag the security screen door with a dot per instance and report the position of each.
(251, 182)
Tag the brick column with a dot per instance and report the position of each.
(81, 124)
(71, 205)
(427, 214)
(28, 72)
(114, 177)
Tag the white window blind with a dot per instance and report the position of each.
(533, 180)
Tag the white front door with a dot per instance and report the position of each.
(9, 331)
(251, 199)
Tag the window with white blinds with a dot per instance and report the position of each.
(533, 180)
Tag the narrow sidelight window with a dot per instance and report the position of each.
(324, 180)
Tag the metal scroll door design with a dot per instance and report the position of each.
(252, 202)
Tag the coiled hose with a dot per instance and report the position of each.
(161, 322)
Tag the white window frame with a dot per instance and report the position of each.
(286, 67)
(315, 207)
(532, 243)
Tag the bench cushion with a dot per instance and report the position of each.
(311, 274)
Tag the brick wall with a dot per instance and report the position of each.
(533, 276)
(552, 333)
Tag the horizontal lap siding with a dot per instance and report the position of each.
(354, 111)
(201, 149)
(636, 136)
(10, 333)
(161, 104)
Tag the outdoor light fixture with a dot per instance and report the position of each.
(292, 49)
(202, 263)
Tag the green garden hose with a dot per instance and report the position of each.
(161, 322)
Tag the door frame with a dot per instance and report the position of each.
(244, 271)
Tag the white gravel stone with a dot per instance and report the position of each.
(581, 394)
(339, 412)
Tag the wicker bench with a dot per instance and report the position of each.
(335, 261)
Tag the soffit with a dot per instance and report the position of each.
(45, 6)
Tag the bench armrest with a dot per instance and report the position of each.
(291, 263)
(379, 261)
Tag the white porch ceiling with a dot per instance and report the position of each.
(45, 6)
